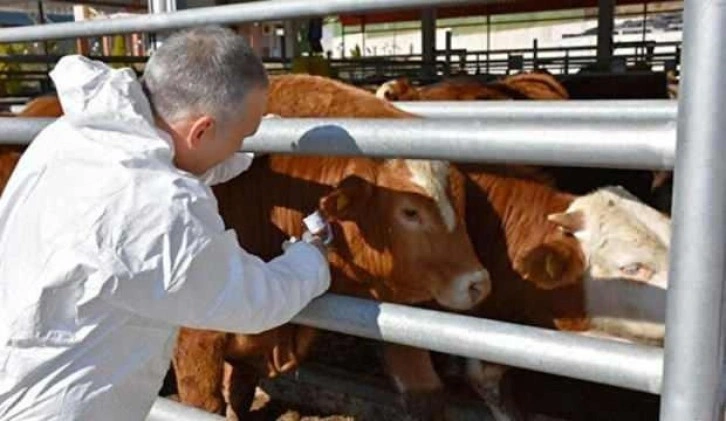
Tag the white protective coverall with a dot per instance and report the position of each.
(106, 248)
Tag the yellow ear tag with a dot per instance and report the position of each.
(551, 266)
(342, 202)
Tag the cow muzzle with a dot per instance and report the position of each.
(466, 291)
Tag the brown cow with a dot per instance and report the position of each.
(303, 96)
(595, 264)
(467, 88)
(527, 230)
(459, 88)
(536, 85)
(651, 187)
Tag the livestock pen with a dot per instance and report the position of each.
(687, 372)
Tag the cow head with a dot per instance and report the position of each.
(398, 90)
(401, 225)
(617, 248)
(625, 244)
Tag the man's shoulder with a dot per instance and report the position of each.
(177, 196)
(179, 186)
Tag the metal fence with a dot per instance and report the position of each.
(600, 134)
(33, 69)
(648, 55)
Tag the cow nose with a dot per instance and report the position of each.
(466, 291)
(480, 286)
(476, 291)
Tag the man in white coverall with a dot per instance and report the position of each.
(110, 237)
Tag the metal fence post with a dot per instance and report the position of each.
(448, 39)
(694, 332)
(160, 6)
(605, 23)
(428, 43)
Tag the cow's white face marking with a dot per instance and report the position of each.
(627, 244)
(385, 88)
(433, 177)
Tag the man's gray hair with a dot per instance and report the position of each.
(208, 70)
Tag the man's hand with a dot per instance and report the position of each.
(317, 241)
(309, 238)
(319, 244)
(318, 232)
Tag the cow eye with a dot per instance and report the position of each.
(636, 269)
(410, 214)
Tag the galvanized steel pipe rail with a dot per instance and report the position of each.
(590, 143)
(696, 317)
(633, 367)
(611, 111)
(255, 11)
(614, 363)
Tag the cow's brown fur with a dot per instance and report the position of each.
(455, 89)
(652, 188)
(44, 106)
(523, 86)
(507, 221)
(9, 157)
(333, 100)
(282, 196)
(325, 97)
(537, 85)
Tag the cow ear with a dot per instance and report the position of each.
(347, 199)
(568, 221)
(552, 264)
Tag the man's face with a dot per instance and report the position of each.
(228, 138)
(201, 142)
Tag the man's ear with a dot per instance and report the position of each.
(553, 264)
(347, 199)
(201, 128)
